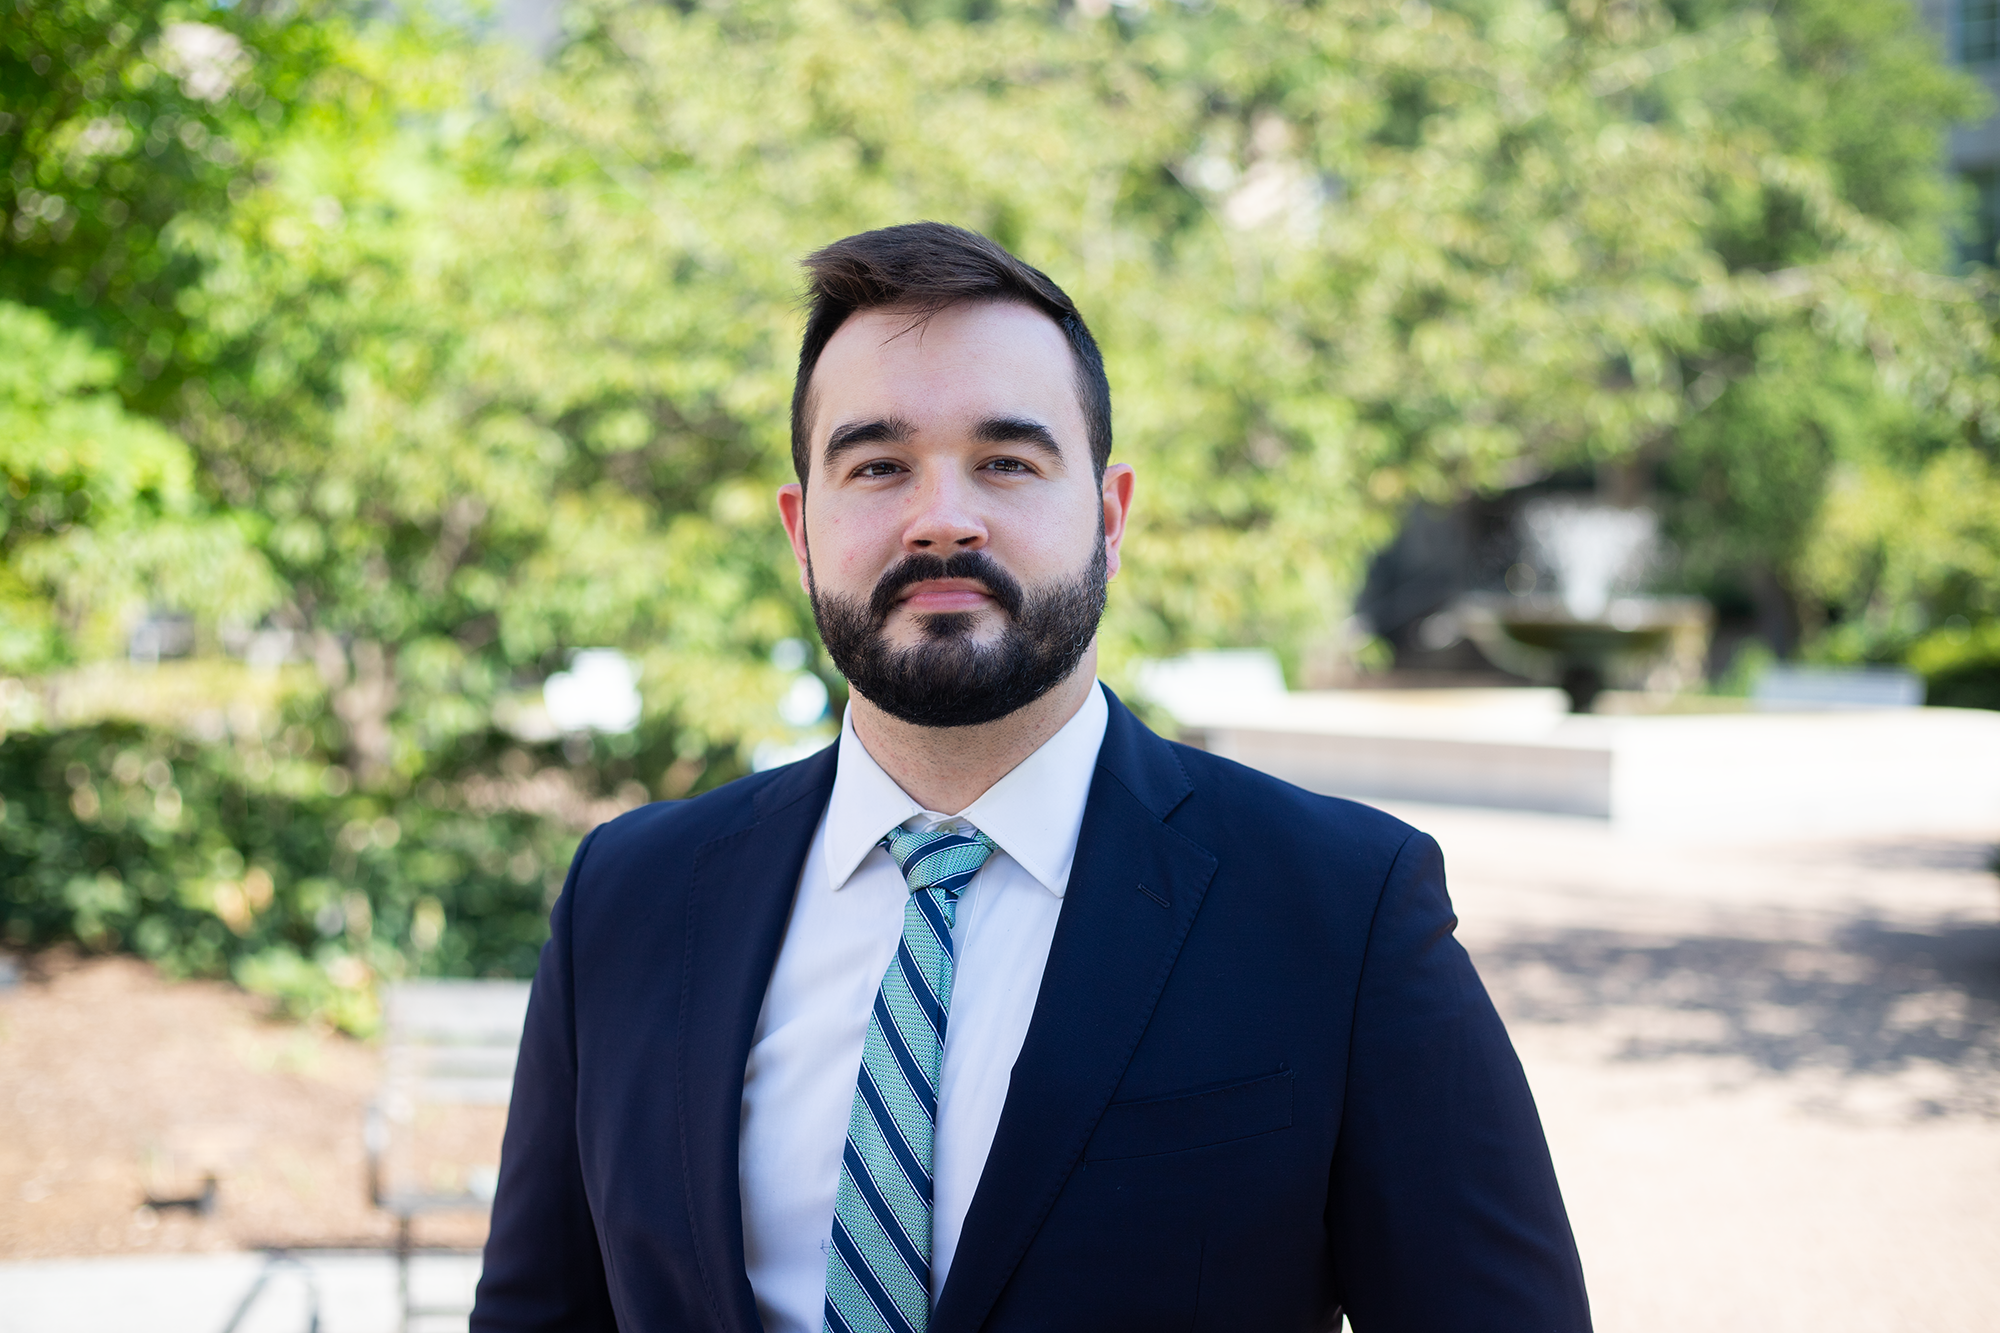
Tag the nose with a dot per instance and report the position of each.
(944, 518)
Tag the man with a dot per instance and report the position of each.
(1004, 1013)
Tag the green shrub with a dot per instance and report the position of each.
(264, 867)
(1960, 665)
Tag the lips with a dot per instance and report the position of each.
(937, 595)
(974, 574)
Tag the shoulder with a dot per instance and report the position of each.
(1248, 817)
(1240, 807)
(678, 828)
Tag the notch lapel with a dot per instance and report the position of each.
(1132, 896)
(739, 897)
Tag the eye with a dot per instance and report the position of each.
(1009, 465)
(881, 467)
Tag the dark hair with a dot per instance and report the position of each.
(929, 266)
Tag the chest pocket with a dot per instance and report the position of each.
(1197, 1120)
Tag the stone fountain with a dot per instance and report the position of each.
(1651, 769)
(1591, 630)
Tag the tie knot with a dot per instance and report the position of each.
(942, 859)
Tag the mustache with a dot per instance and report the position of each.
(921, 567)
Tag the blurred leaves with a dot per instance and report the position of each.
(122, 123)
(497, 353)
(100, 509)
(1915, 550)
(238, 858)
(1342, 258)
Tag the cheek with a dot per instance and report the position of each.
(846, 548)
(1049, 540)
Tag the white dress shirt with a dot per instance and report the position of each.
(846, 919)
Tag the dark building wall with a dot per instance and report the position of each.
(1968, 31)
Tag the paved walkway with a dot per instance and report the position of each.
(1770, 1077)
(228, 1293)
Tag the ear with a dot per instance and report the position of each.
(1117, 509)
(792, 509)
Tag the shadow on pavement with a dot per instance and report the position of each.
(1873, 1000)
(1927, 854)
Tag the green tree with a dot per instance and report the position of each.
(100, 516)
(1342, 257)
(1784, 405)
(119, 122)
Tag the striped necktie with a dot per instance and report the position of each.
(878, 1273)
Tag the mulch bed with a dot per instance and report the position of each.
(117, 1085)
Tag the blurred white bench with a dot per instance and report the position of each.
(445, 1044)
(1799, 689)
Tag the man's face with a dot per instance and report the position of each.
(954, 536)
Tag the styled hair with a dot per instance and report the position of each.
(927, 267)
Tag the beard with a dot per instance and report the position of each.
(948, 679)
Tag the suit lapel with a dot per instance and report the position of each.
(739, 898)
(1132, 896)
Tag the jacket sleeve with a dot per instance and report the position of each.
(1443, 1213)
(543, 1268)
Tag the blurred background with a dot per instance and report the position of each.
(1587, 410)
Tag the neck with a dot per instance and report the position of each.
(948, 768)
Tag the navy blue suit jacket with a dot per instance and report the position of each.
(1262, 1080)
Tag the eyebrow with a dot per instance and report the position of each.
(855, 434)
(1019, 430)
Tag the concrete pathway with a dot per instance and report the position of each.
(228, 1293)
(1770, 1075)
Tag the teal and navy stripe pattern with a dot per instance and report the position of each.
(878, 1273)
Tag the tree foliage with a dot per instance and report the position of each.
(119, 125)
(238, 855)
(100, 509)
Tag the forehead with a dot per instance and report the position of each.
(965, 363)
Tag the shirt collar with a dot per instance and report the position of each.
(1034, 813)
